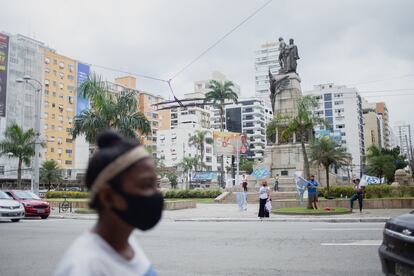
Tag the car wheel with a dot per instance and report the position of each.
(44, 217)
(15, 220)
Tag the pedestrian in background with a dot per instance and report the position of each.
(313, 192)
(264, 197)
(244, 185)
(122, 181)
(358, 194)
(276, 187)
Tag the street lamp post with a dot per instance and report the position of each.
(36, 162)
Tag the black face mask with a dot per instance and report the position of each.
(143, 212)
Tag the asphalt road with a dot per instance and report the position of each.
(33, 247)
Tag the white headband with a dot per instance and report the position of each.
(117, 166)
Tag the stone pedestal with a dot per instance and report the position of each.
(286, 100)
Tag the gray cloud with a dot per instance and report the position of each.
(339, 41)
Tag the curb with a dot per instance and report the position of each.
(73, 217)
(332, 220)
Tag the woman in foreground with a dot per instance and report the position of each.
(122, 182)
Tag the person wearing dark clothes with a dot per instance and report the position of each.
(264, 197)
(359, 195)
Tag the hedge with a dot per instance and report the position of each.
(371, 191)
(195, 193)
(68, 194)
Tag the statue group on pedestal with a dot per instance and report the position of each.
(288, 55)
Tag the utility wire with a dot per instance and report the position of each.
(129, 73)
(380, 80)
(220, 39)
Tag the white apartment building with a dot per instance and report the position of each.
(341, 107)
(266, 58)
(25, 57)
(403, 132)
(201, 87)
(248, 116)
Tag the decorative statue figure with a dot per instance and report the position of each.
(276, 85)
(292, 57)
(283, 54)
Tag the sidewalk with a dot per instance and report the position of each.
(231, 213)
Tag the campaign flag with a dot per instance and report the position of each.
(369, 180)
(261, 172)
(301, 186)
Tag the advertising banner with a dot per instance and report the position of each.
(334, 135)
(83, 73)
(4, 57)
(225, 143)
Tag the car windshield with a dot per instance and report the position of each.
(3, 195)
(26, 195)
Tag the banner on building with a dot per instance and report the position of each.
(81, 102)
(225, 143)
(4, 57)
(335, 135)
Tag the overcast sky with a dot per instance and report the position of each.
(345, 42)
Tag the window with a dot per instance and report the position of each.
(61, 65)
(47, 83)
(47, 70)
(52, 149)
(61, 86)
(327, 97)
(71, 77)
(340, 126)
(52, 138)
(68, 140)
(1, 170)
(328, 112)
(60, 118)
(68, 151)
(59, 140)
(68, 162)
(284, 173)
(328, 104)
(208, 150)
(52, 117)
(54, 83)
(208, 159)
(52, 127)
(61, 75)
(338, 95)
(339, 102)
(59, 128)
(47, 60)
(70, 67)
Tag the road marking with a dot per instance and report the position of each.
(355, 243)
(347, 229)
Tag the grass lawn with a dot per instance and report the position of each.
(84, 211)
(306, 211)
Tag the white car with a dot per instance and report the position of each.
(10, 208)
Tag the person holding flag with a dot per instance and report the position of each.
(313, 192)
(359, 194)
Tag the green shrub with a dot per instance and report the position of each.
(195, 193)
(68, 194)
(371, 191)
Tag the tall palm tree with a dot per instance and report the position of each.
(187, 164)
(50, 173)
(198, 140)
(326, 152)
(19, 144)
(118, 112)
(379, 163)
(218, 95)
(300, 124)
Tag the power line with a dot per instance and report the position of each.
(220, 39)
(129, 73)
(380, 80)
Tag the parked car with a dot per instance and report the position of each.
(10, 208)
(33, 205)
(397, 249)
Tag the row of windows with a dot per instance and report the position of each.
(71, 67)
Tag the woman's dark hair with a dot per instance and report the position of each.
(110, 145)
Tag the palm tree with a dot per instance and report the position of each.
(218, 95)
(300, 124)
(326, 152)
(19, 144)
(379, 163)
(187, 165)
(50, 173)
(199, 139)
(118, 112)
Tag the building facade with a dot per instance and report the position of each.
(404, 133)
(382, 110)
(248, 116)
(20, 56)
(201, 87)
(372, 128)
(341, 107)
(266, 58)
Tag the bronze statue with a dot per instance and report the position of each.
(288, 56)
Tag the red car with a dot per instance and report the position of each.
(33, 205)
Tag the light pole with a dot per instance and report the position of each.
(35, 173)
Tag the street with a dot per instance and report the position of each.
(33, 247)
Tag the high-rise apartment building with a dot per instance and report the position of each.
(59, 101)
(382, 110)
(404, 134)
(341, 107)
(372, 126)
(266, 58)
(19, 56)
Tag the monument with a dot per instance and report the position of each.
(285, 157)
